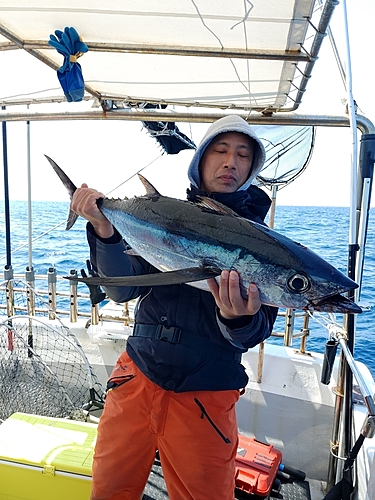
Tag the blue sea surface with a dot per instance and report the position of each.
(322, 229)
(325, 230)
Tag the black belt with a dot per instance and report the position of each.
(177, 336)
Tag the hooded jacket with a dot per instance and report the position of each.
(248, 201)
(205, 352)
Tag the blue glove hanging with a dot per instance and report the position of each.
(69, 44)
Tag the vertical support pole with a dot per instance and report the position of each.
(365, 182)
(29, 209)
(289, 327)
(6, 194)
(305, 332)
(334, 444)
(126, 314)
(260, 362)
(8, 276)
(346, 421)
(343, 406)
(30, 294)
(8, 272)
(94, 314)
(262, 345)
(271, 221)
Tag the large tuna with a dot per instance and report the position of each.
(191, 242)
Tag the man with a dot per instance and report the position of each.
(177, 395)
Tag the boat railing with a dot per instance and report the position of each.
(51, 294)
(368, 429)
(341, 457)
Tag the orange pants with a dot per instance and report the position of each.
(195, 432)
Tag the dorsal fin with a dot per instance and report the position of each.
(150, 190)
(216, 206)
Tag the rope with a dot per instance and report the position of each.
(64, 221)
(247, 12)
(36, 238)
(136, 173)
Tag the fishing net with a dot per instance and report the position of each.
(43, 368)
(288, 152)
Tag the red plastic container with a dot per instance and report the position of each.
(257, 464)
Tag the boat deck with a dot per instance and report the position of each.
(294, 490)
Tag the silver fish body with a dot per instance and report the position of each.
(173, 234)
(190, 242)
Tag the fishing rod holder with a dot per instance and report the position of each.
(52, 279)
(8, 276)
(8, 273)
(73, 297)
(328, 360)
(30, 279)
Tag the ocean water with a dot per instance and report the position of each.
(323, 229)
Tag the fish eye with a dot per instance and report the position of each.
(298, 283)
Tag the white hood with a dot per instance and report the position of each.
(230, 123)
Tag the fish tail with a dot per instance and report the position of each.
(70, 187)
(72, 217)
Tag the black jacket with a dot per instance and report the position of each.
(206, 357)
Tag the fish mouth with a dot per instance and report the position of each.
(336, 304)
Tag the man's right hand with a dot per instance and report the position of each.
(84, 204)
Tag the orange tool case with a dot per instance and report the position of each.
(257, 464)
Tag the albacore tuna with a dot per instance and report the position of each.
(191, 242)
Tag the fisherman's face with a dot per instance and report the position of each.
(226, 163)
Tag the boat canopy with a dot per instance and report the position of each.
(239, 55)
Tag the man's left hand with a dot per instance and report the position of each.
(228, 298)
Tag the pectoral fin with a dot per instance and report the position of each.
(166, 278)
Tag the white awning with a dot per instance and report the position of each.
(222, 54)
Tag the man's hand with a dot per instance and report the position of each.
(228, 296)
(84, 204)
